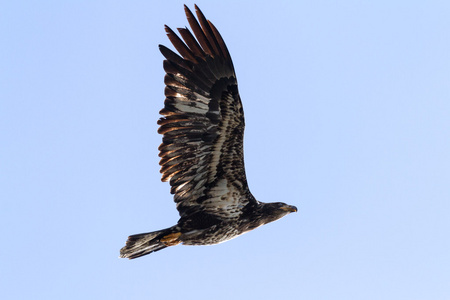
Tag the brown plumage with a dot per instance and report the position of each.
(202, 151)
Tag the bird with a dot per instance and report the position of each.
(202, 127)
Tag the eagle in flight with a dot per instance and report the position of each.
(202, 153)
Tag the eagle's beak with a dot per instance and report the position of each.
(289, 208)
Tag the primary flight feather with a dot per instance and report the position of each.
(202, 153)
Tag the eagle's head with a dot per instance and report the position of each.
(273, 211)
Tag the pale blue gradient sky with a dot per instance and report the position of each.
(347, 108)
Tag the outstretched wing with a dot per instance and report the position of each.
(203, 124)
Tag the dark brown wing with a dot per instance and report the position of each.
(203, 124)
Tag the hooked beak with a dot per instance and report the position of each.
(289, 208)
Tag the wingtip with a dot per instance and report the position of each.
(167, 28)
(198, 11)
(187, 11)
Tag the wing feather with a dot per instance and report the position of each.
(202, 123)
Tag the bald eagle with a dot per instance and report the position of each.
(202, 146)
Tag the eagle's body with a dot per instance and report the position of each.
(202, 150)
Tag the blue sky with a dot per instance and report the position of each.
(347, 108)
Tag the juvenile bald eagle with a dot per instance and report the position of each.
(202, 146)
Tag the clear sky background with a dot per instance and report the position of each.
(347, 109)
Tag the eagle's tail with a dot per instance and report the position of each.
(145, 243)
